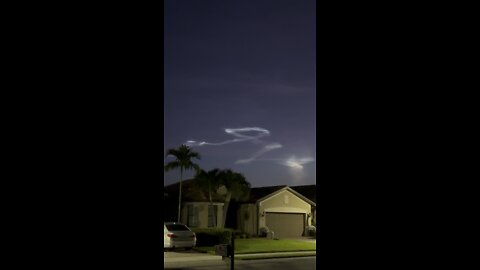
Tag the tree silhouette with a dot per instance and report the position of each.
(208, 182)
(183, 160)
(237, 187)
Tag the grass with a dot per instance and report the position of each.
(262, 245)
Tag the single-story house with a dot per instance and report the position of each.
(284, 210)
(197, 211)
(281, 209)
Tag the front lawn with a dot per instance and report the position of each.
(263, 245)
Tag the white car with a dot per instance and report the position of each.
(178, 235)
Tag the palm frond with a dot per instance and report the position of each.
(172, 152)
(172, 165)
(184, 156)
(235, 183)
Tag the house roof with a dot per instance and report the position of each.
(309, 191)
(262, 193)
(190, 193)
(175, 186)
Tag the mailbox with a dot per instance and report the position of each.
(223, 250)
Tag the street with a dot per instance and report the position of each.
(304, 263)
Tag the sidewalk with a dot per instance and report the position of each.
(209, 261)
(192, 260)
(276, 255)
(189, 257)
(196, 257)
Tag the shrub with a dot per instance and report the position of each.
(238, 234)
(264, 231)
(312, 231)
(212, 236)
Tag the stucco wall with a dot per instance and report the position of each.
(202, 208)
(283, 202)
(247, 225)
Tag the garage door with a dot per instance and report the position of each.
(286, 224)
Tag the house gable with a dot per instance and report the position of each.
(284, 208)
(284, 201)
(288, 189)
(276, 206)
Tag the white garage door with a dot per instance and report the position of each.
(286, 225)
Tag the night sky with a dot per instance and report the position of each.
(239, 87)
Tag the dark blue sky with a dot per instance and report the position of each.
(239, 65)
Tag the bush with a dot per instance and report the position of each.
(312, 231)
(264, 231)
(207, 237)
(238, 234)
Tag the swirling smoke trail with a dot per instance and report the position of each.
(240, 135)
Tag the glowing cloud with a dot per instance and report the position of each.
(297, 163)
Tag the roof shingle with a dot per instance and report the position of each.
(309, 191)
(260, 192)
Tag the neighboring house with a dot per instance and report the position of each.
(283, 210)
(197, 212)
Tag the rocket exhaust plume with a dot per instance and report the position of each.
(241, 136)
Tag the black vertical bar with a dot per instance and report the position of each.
(232, 259)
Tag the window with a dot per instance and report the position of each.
(212, 215)
(192, 218)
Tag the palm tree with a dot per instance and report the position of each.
(237, 187)
(183, 160)
(208, 182)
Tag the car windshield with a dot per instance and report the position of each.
(176, 227)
